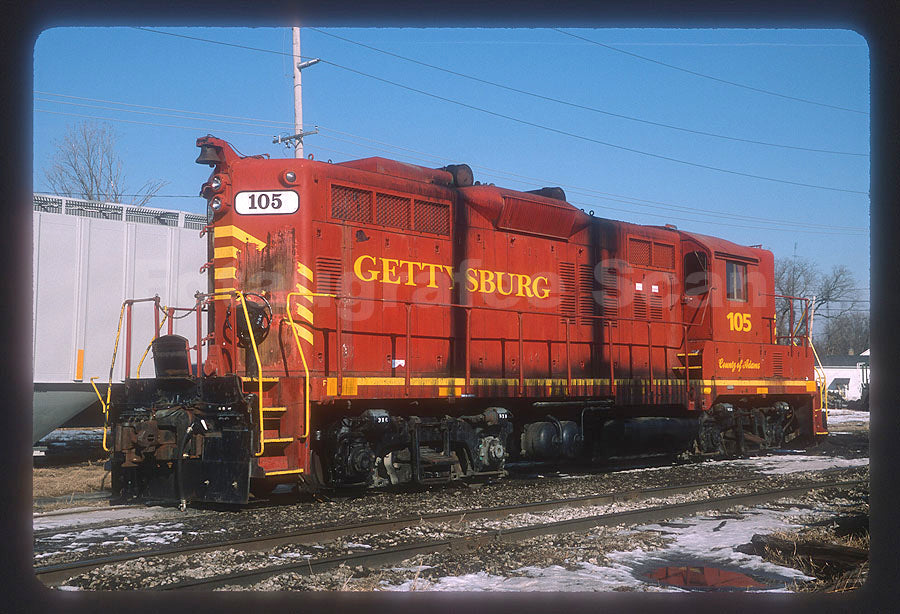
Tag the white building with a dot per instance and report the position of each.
(848, 376)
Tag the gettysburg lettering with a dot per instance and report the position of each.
(395, 271)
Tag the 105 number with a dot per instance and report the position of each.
(739, 322)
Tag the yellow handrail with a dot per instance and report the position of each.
(105, 406)
(820, 372)
(262, 444)
(112, 364)
(302, 355)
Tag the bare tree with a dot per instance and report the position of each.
(86, 165)
(846, 334)
(800, 277)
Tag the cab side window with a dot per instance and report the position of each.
(736, 280)
(695, 278)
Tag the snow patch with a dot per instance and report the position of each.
(792, 463)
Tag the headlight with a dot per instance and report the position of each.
(216, 203)
(216, 183)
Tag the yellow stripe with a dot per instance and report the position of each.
(226, 252)
(226, 272)
(283, 472)
(305, 271)
(240, 235)
(304, 332)
(762, 390)
(305, 293)
(224, 296)
(445, 383)
(305, 313)
(757, 382)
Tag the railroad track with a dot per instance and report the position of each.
(59, 573)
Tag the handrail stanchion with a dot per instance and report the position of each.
(612, 371)
(568, 363)
(170, 311)
(468, 350)
(521, 359)
(650, 359)
(199, 336)
(687, 368)
(128, 340)
(408, 344)
(337, 337)
(156, 322)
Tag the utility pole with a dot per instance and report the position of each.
(297, 138)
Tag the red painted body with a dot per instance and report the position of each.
(448, 295)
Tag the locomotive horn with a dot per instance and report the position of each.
(462, 174)
(209, 154)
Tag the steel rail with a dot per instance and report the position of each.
(57, 573)
(466, 543)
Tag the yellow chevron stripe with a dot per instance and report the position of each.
(305, 313)
(226, 272)
(226, 252)
(305, 271)
(304, 332)
(241, 235)
(305, 293)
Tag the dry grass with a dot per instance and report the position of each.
(66, 482)
(828, 578)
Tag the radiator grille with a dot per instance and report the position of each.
(351, 204)
(392, 211)
(328, 275)
(433, 218)
(663, 256)
(639, 252)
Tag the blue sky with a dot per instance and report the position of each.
(364, 103)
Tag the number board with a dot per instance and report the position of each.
(266, 203)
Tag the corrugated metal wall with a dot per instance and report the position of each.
(88, 258)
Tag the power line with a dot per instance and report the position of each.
(597, 141)
(803, 227)
(588, 108)
(106, 108)
(131, 121)
(697, 74)
(596, 193)
(544, 127)
(144, 106)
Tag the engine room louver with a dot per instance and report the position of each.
(587, 306)
(328, 275)
(640, 306)
(567, 293)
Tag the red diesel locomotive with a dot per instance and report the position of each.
(373, 322)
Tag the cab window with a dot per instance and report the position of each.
(736, 280)
(695, 278)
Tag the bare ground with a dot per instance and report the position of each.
(61, 487)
